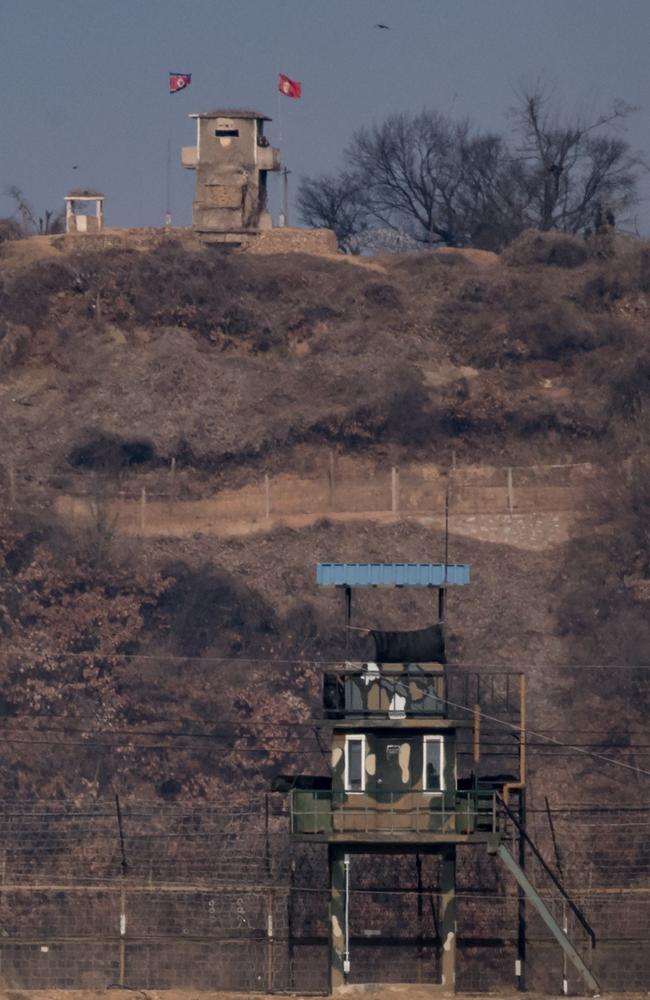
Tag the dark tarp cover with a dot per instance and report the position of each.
(285, 782)
(424, 645)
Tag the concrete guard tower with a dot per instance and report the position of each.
(232, 158)
(396, 785)
(82, 222)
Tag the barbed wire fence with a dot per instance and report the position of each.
(153, 500)
(167, 896)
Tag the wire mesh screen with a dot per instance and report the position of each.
(172, 897)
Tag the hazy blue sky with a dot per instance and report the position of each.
(85, 81)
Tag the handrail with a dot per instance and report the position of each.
(398, 816)
(346, 693)
(554, 879)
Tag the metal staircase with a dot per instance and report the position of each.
(497, 846)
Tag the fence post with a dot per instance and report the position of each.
(394, 489)
(267, 497)
(122, 935)
(269, 942)
(143, 508)
(332, 478)
(11, 473)
(291, 956)
(3, 872)
(511, 492)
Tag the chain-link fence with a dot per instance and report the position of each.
(156, 501)
(150, 896)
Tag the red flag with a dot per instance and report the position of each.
(290, 88)
(179, 81)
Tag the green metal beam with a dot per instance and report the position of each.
(547, 917)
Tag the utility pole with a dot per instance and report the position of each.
(168, 210)
(285, 196)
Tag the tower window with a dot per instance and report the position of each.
(227, 133)
(355, 776)
(434, 762)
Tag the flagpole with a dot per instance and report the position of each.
(168, 212)
(279, 117)
(283, 218)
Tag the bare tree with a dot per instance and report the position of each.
(445, 183)
(410, 170)
(494, 197)
(433, 180)
(334, 203)
(577, 169)
(50, 222)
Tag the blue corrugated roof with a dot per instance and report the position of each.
(391, 574)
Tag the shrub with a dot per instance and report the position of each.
(534, 247)
(385, 296)
(109, 453)
(10, 229)
(558, 331)
(628, 274)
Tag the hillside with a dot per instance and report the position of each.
(166, 366)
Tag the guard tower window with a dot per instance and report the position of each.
(434, 761)
(227, 133)
(355, 778)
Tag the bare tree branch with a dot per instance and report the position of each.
(50, 222)
(444, 183)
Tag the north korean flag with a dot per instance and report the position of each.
(179, 81)
(290, 88)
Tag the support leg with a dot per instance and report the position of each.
(448, 918)
(337, 916)
(418, 869)
(521, 900)
(348, 619)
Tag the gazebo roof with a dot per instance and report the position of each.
(80, 195)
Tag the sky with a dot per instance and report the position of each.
(86, 82)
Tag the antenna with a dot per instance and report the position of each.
(443, 589)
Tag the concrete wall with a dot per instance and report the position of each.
(231, 166)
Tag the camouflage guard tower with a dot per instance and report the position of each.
(396, 786)
(232, 158)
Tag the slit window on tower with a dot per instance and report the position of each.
(227, 133)
(354, 761)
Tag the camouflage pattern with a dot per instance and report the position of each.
(448, 917)
(337, 916)
(394, 799)
(389, 690)
(394, 708)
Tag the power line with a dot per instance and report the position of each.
(247, 731)
(481, 668)
(550, 739)
(253, 723)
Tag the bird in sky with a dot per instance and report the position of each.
(75, 167)
(383, 27)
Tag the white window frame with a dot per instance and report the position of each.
(433, 739)
(351, 738)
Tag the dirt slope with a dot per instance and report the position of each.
(121, 362)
